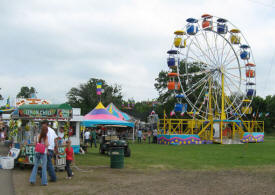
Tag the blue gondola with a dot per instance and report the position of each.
(251, 92)
(172, 51)
(245, 55)
(192, 20)
(222, 26)
(178, 107)
(171, 62)
(244, 46)
(250, 83)
(192, 29)
(180, 96)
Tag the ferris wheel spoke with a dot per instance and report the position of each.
(216, 47)
(224, 43)
(198, 58)
(233, 57)
(207, 49)
(217, 91)
(241, 79)
(237, 98)
(202, 51)
(192, 88)
(234, 84)
(237, 68)
(213, 55)
(198, 99)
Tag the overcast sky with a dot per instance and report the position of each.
(54, 45)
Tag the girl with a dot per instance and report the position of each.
(41, 156)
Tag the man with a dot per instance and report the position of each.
(52, 139)
(139, 136)
(87, 137)
(93, 138)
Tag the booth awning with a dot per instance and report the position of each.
(100, 116)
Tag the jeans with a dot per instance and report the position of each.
(139, 139)
(68, 168)
(50, 167)
(38, 158)
(149, 139)
(93, 141)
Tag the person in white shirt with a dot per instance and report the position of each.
(52, 139)
(60, 136)
(87, 137)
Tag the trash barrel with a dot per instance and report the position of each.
(117, 157)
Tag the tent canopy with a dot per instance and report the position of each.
(118, 113)
(100, 116)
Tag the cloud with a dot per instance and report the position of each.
(56, 45)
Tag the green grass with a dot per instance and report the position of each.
(212, 156)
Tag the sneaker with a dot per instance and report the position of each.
(72, 173)
(32, 183)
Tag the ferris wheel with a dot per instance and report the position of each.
(212, 69)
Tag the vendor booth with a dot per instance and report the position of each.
(25, 126)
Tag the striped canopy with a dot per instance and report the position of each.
(118, 113)
(100, 116)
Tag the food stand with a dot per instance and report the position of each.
(28, 119)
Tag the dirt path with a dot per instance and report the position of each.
(6, 181)
(127, 181)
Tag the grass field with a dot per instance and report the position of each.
(165, 169)
(212, 156)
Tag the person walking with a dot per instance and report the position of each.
(52, 139)
(155, 135)
(41, 150)
(139, 136)
(87, 137)
(93, 138)
(69, 158)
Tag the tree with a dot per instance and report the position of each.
(85, 96)
(26, 92)
(1, 97)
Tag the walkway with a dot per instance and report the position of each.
(6, 181)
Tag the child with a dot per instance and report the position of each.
(69, 158)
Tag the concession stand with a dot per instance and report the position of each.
(27, 120)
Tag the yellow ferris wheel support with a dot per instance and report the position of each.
(223, 116)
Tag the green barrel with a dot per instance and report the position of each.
(117, 157)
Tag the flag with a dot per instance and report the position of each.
(267, 114)
(98, 88)
(153, 112)
(182, 113)
(254, 114)
(165, 115)
(172, 113)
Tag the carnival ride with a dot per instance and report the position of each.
(213, 77)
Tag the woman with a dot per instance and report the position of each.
(41, 156)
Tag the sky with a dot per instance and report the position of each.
(55, 45)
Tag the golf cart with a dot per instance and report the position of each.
(110, 141)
